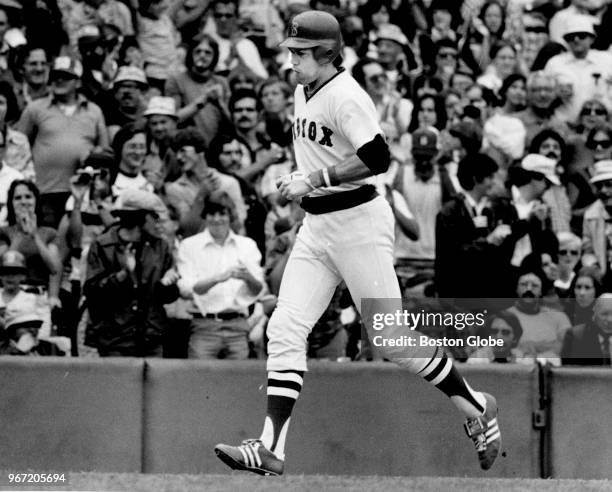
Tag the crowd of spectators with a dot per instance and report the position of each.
(140, 141)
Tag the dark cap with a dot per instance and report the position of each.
(469, 133)
(424, 143)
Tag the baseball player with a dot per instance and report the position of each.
(347, 234)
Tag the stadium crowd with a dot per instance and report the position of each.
(140, 141)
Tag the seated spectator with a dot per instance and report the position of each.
(159, 40)
(588, 344)
(236, 51)
(161, 127)
(503, 64)
(423, 185)
(130, 276)
(505, 327)
(129, 88)
(528, 182)
(38, 244)
(16, 153)
(21, 319)
(274, 97)
(551, 145)
(585, 288)
(569, 253)
(539, 114)
(596, 228)
(198, 178)
(583, 66)
(7, 175)
(33, 62)
(543, 328)
(63, 129)
(226, 155)
(221, 271)
(393, 110)
(473, 237)
(130, 148)
(201, 96)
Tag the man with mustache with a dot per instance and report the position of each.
(35, 73)
(129, 88)
(597, 225)
(260, 153)
(551, 144)
(543, 328)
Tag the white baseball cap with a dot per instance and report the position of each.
(579, 23)
(541, 164)
(161, 105)
(603, 171)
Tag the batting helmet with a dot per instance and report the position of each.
(315, 29)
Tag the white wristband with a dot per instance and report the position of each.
(326, 179)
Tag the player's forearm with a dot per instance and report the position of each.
(352, 169)
(370, 159)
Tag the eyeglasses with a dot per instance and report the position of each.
(501, 331)
(447, 54)
(593, 110)
(536, 29)
(244, 110)
(604, 144)
(223, 16)
(573, 252)
(378, 77)
(576, 35)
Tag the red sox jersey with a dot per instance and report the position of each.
(331, 125)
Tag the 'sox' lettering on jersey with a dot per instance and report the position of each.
(315, 133)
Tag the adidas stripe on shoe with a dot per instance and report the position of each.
(484, 432)
(251, 456)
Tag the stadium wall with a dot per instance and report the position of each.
(165, 416)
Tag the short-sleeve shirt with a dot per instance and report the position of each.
(38, 273)
(331, 124)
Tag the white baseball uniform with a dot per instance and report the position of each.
(355, 244)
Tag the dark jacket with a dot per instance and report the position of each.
(581, 346)
(123, 316)
(468, 266)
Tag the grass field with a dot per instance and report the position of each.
(308, 483)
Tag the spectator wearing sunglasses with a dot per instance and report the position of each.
(588, 69)
(503, 326)
(569, 252)
(236, 52)
(597, 226)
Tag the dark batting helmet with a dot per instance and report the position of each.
(315, 29)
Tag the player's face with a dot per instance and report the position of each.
(306, 68)
(218, 224)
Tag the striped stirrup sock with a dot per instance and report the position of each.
(283, 390)
(441, 372)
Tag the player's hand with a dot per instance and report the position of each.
(241, 273)
(293, 186)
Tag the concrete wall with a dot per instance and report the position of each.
(581, 423)
(61, 414)
(165, 416)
